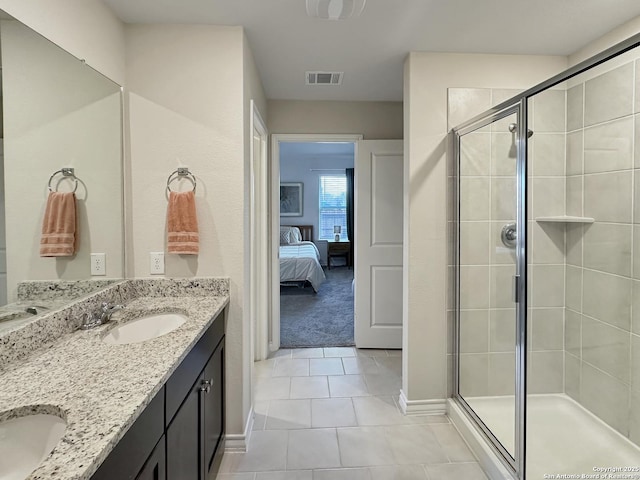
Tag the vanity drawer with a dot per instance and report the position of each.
(180, 383)
(130, 454)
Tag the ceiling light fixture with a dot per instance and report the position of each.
(335, 9)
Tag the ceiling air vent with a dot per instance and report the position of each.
(324, 78)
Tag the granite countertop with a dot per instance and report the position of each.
(101, 389)
(16, 313)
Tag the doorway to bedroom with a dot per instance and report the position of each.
(316, 254)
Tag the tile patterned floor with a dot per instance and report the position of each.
(332, 414)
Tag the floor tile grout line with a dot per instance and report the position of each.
(435, 436)
(286, 454)
(339, 450)
(424, 469)
(389, 374)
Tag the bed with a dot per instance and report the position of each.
(299, 257)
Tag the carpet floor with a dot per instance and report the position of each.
(323, 319)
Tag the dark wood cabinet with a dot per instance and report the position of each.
(183, 439)
(155, 468)
(132, 451)
(213, 409)
(195, 436)
(180, 434)
(188, 372)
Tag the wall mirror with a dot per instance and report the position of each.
(57, 112)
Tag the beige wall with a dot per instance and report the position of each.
(85, 28)
(188, 106)
(58, 113)
(374, 120)
(427, 78)
(617, 35)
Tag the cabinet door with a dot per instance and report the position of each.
(184, 439)
(214, 406)
(128, 457)
(155, 468)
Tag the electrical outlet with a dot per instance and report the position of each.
(156, 263)
(98, 264)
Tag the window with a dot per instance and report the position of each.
(333, 206)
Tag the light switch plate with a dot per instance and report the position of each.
(156, 263)
(98, 264)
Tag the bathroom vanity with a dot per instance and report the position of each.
(150, 410)
(180, 434)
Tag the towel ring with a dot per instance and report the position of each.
(181, 172)
(66, 172)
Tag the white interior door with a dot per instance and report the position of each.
(378, 248)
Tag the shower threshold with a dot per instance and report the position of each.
(564, 440)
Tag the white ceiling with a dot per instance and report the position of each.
(371, 49)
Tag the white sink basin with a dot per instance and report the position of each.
(26, 441)
(143, 329)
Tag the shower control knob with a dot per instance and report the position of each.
(509, 235)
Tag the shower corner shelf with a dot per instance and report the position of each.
(565, 219)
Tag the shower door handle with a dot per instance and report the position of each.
(516, 288)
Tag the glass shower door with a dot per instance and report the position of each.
(488, 253)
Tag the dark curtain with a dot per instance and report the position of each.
(350, 214)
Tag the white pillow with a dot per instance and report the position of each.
(295, 236)
(285, 235)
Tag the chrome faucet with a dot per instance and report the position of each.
(101, 316)
(108, 309)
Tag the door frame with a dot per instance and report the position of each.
(259, 284)
(274, 199)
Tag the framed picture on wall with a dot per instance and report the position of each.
(291, 199)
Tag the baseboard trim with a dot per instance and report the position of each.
(239, 442)
(422, 407)
(487, 458)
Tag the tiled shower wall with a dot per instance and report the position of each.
(487, 338)
(584, 336)
(602, 316)
(546, 243)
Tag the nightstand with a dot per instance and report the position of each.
(339, 249)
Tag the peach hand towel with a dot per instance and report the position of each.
(182, 224)
(59, 226)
